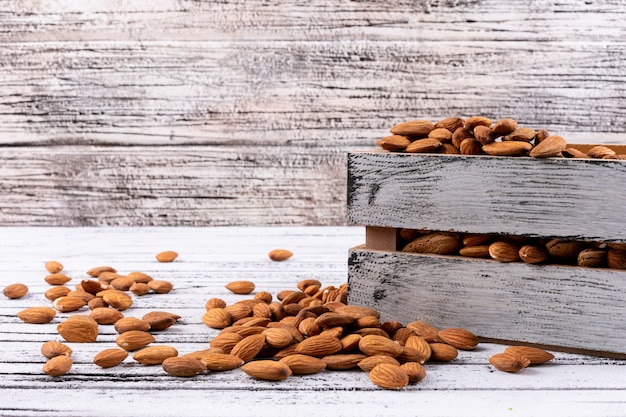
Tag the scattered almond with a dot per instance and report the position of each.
(166, 256)
(58, 365)
(111, 357)
(15, 291)
(182, 366)
(509, 362)
(279, 255)
(240, 287)
(79, 329)
(53, 266)
(134, 340)
(54, 348)
(267, 370)
(154, 355)
(389, 376)
(37, 315)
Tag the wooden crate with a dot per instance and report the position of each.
(562, 307)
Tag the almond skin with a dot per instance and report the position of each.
(105, 315)
(319, 346)
(97, 270)
(56, 292)
(37, 315)
(368, 363)
(217, 318)
(279, 255)
(343, 361)
(504, 251)
(117, 299)
(533, 254)
(389, 376)
(509, 148)
(109, 358)
(414, 128)
(394, 142)
(160, 286)
(15, 291)
(57, 279)
(57, 366)
(267, 370)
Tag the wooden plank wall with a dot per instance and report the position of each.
(186, 112)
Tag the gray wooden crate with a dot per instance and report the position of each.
(561, 307)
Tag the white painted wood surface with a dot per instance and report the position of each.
(573, 385)
(576, 199)
(178, 80)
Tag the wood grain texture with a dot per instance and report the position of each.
(572, 385)
(554, 197)
(312, 77)
(566, 307)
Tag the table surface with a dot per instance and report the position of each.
(571, 385)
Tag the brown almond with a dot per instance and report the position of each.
(117, 299)
(278, 337)
(279, 255)
(154, 355)
(592, 258)
(79, 329)
(389, 376)
(508, 148)
(240, 287)
(421, 345)
(478, 251)
(53, 266)
(564, 250)
(105, 315)
(343, 361)
(549, 147)
(474, 121)
(225, 341)
(616, 259)
(439, 243)
(450, 123)
(238, 311)
(379, 345)
(140, 288)
(215, 303)
(109, 358)
(249, 347)
(56, 292)
(536, 356)
(574, 153)
(425, 330)
(333, 319)
(443, 135)
(415, 371)
(15, 291)
(59, 365)
(54, 348)
(122, 283)
(368, 363)
(600, 152)
(57, 279)
(509, 362)
(533, 254)
(96, 271)
(320, 345)
(217, 318)
(426, 145)
(160, 286)
(215, 361)
(414, 128)
(134, 340)
(521, 134)
(303, 364)
(139, 277)
(504, 127)
(471, 146)
(483, 134)
(357, 312)
(459, 338)
(93, 286)
(182, 366)
(504, 251)
(443, 352)
(459, 135)
(37, 315)
(160, 320)
(269, 370)
(394, 142)
(166, 256)
(127, 324)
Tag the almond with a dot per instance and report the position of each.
(389, 376)
(521, 134)
(182, 366)
(263, 296)
(564, 250)
(459, 338)
(533, 254)
(126, 324)
(154, 355)
(57, 366)
(160, 320)
(160, 286)
(68, 303)
(504, 251)
(56, 292)
(439, 243)
(215, 303)
(109, 358)
(53, 266)
(549, 147)
(426, 145)
(15, 291)
(474, 121)
(508, 148)
(379, 345)
(443, 135)
(343, 361)
(394, 142)
(415, 371)
(217, 318)
(139, 288)
(134, 340)
(592, 258)
(166, 256)
(461, 134)
(37, 315)
(536, 356)
(105, 315)
(303, 364)
(350, 342)
(279, 255)
(421, 345)
(319, 346)
(139, 277)
(509, 362)
(96, 271)
(450, 123)
(267, 370)
(96, 302)
(79, 329)
(122, 283)
(249, 347)
(470, 146)
(57, 279)
(483, 134)
(53, 348)
(238, 311)
(600, 152)
(415, 128)
(278, 337)
(117, 299)
(504, 127)
(93, 286)
(225, 341)
(357, 312)
(477, 251)
(573, 153)
(216, 361)
(616, 259)
(443, 352)
(425, 330)
(240, 287)
(368, 363)
(333, 319)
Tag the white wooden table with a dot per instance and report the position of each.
(571, 385)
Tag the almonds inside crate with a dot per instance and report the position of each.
(508, 248)
(479, 135)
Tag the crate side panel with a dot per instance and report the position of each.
(572, 199)
(577, 308)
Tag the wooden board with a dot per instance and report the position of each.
(567, 308)
(578, 199)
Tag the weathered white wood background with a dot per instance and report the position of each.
(181, 112)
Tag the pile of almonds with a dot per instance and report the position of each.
(480, 135)
(302, 331)
(506, 248)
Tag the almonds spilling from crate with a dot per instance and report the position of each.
(480, 135)
(504, 248)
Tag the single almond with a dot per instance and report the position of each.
(217, 318)
(343, 361)
(37, 315)
(134, 340)
(509, 362)
(421, 345)
(215, 361)
(279, 255)
(215, 303)
(278, 337)
(592, 258)
(183, 366)
(368, 363)
(139, 277)
(533, 254)
(68, 303)
(616, 259)
(56, 292)
(414, 128)
(504, 251)
(78, 329)
(166, 256)
(536, 356)
(15, 291)
(140, 288)
(160, 320)
(565, 251)
(57, 279)
(472, 122)
(127, 324)
(225, 341)
(96, 271)
(504, 127)
(53, 266)
(426, 145)
(269, 370)
(389, 376)
(425, 330)
(240, 287)
(160, 286)
(459, 338)
(117, 299)
(57, 366)
(122, 283)
(450, 123)
(549, 147)
(303, 364)
(443, 352)
(508, 148)
(320, 345)
(105, 315)
(443, 135)
(470, 146)
(477, 251)
(249, 347)
(109, 358)
(238, 311)
(154, 355)
(521, 134)
(415, 371)
(54, 348)
(438, 243)
(600, 152)
(379, 345)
